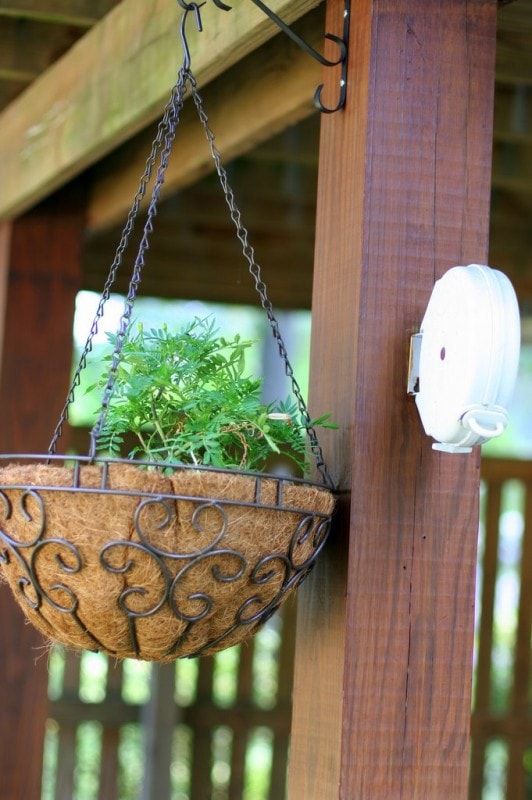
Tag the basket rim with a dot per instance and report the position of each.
(76, 462)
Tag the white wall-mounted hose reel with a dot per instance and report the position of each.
(464, 360)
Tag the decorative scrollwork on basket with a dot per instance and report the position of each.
(54, 548)
(101, 561)
(31, 530)
(36, 520)
(132, 590)
(208, 520)
(216, 570)
(307, 542)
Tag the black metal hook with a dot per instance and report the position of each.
(341, 41)
(301, 42)
(343, 45)
(218, 3)
(195, 7)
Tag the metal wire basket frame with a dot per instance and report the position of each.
(245, 576)
(243, 581)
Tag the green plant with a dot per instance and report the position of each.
(186, 399)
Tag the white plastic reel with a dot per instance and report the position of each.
(464, 361)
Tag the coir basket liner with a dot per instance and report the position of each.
(104, 555)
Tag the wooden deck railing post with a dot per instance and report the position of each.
(385, 627)
(40, 268)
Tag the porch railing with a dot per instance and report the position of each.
(218, 728)
(501, 754)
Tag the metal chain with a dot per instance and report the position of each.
(260, 286)
(164, 126)
(161, 147)
(176, 104)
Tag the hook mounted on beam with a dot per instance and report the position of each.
(341, 41)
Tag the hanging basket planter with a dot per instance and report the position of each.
(154, 559)
(108, 556)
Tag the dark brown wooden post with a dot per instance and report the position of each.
(385, 628)
(40, 272)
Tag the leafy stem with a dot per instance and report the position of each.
(188, 400)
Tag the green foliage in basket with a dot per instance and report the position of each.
(186, 398)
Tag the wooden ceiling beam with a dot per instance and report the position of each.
(80, 13)
(112, 83)
(512, 166)
(513, 64)
(513, 114)
(25, 52)
(221, 283)
(245, 107)
(9, 90)
(514, 18)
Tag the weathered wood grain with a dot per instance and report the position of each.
(160, 716)
(112, 83)
(383, 673)
(41, 272)
(264, 93)
(82, 13)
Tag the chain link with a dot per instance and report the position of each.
(176, 104)
(260, 286)
(166, 124)
(161, 149)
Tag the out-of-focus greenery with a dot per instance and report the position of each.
(94, 671)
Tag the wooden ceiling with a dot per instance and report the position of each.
(35, 33)
(194, 250)
(511, 209)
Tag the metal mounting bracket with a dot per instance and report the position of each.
(341, 41)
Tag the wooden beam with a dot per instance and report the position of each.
(79, 13)
(9, 90)
(44, 276)
(385, 629)
(513, 114)
(217, 277)
(515, 17)
(514, 65)
(245, 107)
(5, 249)
(512, 166)
(159, 719)
(194, 251)
(510, 239)
(41, 268)
(111, 84)
(25, 50)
